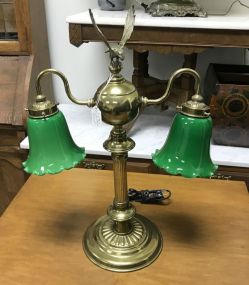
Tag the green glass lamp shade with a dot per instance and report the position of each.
(52, 148)
(187, 149)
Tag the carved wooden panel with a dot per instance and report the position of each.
(20, 61)
(12, 176)
(7, 20)
(15, 73)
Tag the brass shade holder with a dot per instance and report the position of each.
(42, 107)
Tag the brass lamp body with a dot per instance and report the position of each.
(123, 241)
(118, 102)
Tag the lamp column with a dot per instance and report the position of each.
(121, 202)
(121, 212)
(121, 240)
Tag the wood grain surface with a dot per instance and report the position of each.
(163, 36)
(205, 229)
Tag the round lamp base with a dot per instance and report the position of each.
(122, 253)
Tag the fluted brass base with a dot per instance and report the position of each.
(122, 253)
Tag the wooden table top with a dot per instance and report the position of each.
(205, 230)
(153, 32)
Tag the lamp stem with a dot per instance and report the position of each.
(120, 180)
(121, 241)
(121, 202)
(121, 212)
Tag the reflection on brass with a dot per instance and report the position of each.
(118, 141)
(177, 8)
(42, 107)
(121, 240)
(195, 107)
(120, 98)
(122, 252)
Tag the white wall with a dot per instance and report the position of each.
(86, 66)
(215, 7)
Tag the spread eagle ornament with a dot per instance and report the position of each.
(117, 52)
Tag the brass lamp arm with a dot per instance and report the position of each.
(89, 102)
(176, 74)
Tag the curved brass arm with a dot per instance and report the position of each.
(89, 102)
(176, 74)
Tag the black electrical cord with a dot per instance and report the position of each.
(155, 196)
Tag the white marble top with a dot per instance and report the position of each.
(233, 21)
(149, 132)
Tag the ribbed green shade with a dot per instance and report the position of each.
(187, 148)
(52, 148)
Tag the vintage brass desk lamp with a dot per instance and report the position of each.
(121, 240)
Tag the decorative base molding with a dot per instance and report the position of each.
(122, 252)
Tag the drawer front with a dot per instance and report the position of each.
(107, 164)
(147, 166)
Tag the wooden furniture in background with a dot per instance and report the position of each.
(187, 41)
(8, 29)
(14, 81)
(21, 58)
(147, 166)
(15, 18)
(205, 230)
